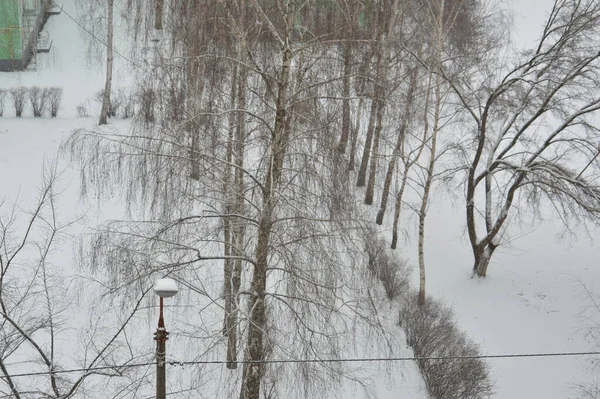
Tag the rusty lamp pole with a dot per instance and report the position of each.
(164, 288)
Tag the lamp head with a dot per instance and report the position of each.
(165, 287)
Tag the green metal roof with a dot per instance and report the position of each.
(11, 46)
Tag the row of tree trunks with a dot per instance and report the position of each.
(409, 163)
(364, 162)
(406, 119)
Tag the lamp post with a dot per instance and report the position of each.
(164, 288)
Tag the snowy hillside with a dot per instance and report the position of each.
(535, 299)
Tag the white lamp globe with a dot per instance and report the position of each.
(165, 287)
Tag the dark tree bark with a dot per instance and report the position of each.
(397, 148)
(362, 170)
(109, 65)
(346, 99)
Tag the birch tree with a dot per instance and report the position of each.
(452, 43)
(109, 63)
(535, 136)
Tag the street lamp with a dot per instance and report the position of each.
(164, 288)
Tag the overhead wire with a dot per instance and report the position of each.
(95, 37)
(304, 361)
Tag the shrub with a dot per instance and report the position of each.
(431, 332)
(18, 94)
(385, 265)
(82, 110)
(2, 101)
(37, 98)
(128, 108)
(54, 99)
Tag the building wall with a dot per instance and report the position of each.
(11, 33)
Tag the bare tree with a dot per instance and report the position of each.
(452, 41)
(438, 12)
(411, 157)
(109, 62)
(54, 100)
(34, 299)
(38, 98)
(534, 133)
(19, 101)
(347, 71)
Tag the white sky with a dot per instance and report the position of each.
(528, 19)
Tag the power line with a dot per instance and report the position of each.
(96, 37)
(348, 360)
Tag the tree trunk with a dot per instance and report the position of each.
(355, 132)
(370, 192)
(397, 210)
(421, 300)
(360, 91)
(239, 227)
(158, 14)
(382, 66)
(409, 163)
(482, 259)
(399, 142)
(362, 170)
(230, 327)
(432, 152)
(346, 99)
(196, 85)
(388, 183)
(109, 66)
(253, 372)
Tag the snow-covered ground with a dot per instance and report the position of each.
(531, 302)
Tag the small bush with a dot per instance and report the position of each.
(82, 110)
(385, 265)
(128, 108)
(18, 94)
(2, 101)
(431, 332)
(54, 100)
(37, 98)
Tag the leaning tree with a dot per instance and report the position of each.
(533, 131)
